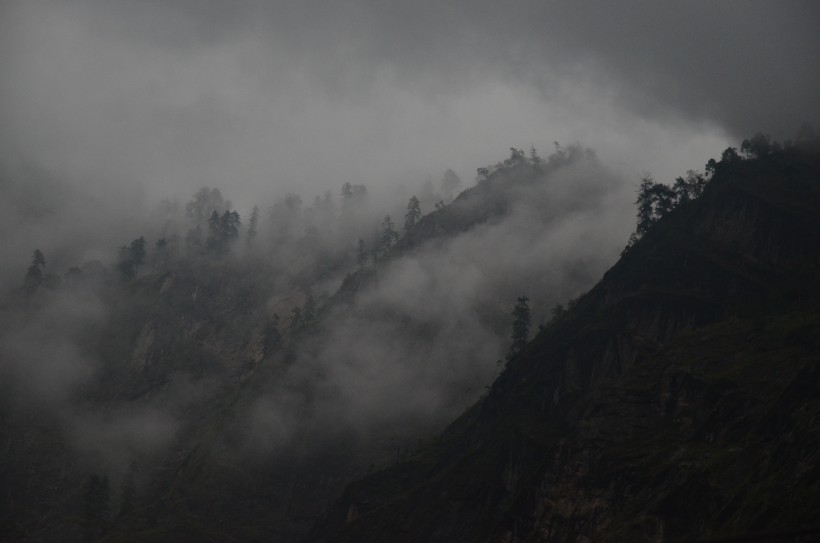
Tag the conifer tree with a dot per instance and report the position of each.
(521, 325)
(388, 236)
(131, 258)
(252, 224)
(413, 212)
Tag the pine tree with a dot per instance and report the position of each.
(222, 231)
(644, 203)
(131, 258)
(252, 224)
(521, 326)
(413, 213)
(388, 236)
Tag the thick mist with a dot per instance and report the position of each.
(326, 118)
(431, 327)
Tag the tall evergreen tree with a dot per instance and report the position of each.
(253, 222)
(131, 258)
(222, 231)
(413, 212)
(361, 254)
(521, 325)
(388, 236)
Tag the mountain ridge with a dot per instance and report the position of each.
(753, 227)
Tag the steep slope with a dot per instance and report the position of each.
(237, 431)
(678, 399)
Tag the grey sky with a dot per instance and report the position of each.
(256, 96)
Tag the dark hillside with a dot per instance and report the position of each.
(679, 399)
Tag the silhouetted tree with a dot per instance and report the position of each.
(131, 258)
(534, 158)
(413, 212)
(521, 325)
(222, 230)
(388, 236)
(644, 203)
(729, 156)
(688, 188)
(758, 146)
(711, 166)
(34, 274)
(516, 157)
(252, 224)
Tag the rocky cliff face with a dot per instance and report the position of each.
(679, 399)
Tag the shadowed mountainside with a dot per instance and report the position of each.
(678, 399)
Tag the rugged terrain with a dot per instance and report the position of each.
(677, 400)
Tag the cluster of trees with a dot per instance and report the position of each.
(657, 199)
(223, 230)
(131, 258)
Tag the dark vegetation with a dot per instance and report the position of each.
(677, 398)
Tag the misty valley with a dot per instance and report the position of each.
(293, 372)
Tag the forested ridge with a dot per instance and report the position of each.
(224, 375)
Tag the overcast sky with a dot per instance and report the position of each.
(155, 98)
